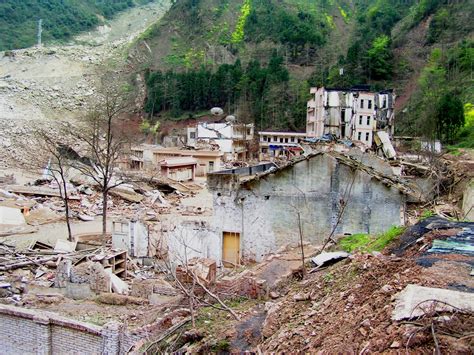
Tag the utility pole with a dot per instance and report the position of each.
(40, 31)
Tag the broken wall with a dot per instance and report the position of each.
(265, 211)
(191, 239)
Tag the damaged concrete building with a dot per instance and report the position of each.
(232, 138)
(256, 209)
(198, 161)
(356, 113)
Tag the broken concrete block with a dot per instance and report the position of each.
(11, 216)
(415, 300)
(118, 286)
(329, 258)
(301, 297)
(64, 246)
(85, 218)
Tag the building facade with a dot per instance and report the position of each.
(179, 169)
(355, 113)
(256, 214)
(149, 157)
(276, 144)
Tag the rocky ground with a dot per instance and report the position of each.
(348, 307)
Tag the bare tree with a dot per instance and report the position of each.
(188, 289)
(51, 153)
(103, 136)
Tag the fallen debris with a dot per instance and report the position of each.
(324, 259)
(64, 246)
(415, 300)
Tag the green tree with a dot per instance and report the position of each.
(449, 117)
(379, 58)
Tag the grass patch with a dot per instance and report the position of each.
(427, 214)
(354, 242)
(367, 243)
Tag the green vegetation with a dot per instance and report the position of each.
(427, 214)
(238, 35)
(367, 243)
(297, 29)
(315, 39)
(61, 18)
(256, 91)
(436, 109)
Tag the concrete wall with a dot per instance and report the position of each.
(190, 239)
(265, 211)
(468, 201)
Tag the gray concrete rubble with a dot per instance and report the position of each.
(415, 301)
(329, 258)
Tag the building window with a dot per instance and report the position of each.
(361, 103)
(359, 136)
(360, 120)
(211, 166)
(367, 135)
(281, 140)
(192, 135)
(368, 120)
(286, 140)
(369, 105)
(292, 139)
(275, 139)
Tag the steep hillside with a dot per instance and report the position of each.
(61, 18)
(385, 43)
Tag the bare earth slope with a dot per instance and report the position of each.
(54, 82)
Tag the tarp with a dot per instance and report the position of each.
(11, 216)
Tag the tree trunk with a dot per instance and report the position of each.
(300, 229)
(66, 204)
(105, 196)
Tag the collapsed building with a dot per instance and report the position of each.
(277, 143)
(232, 138)
(259, 209)
(356, 113)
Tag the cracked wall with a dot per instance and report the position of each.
(265, 212)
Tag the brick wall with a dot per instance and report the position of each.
(33, 332)
(25, 331)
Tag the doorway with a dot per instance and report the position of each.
(230, 249)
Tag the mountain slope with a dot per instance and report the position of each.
(61, 18)
(384, 43)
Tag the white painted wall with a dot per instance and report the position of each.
(190, 239)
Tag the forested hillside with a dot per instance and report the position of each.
(258, 58)
(61, 18)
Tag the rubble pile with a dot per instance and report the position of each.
(355, 305)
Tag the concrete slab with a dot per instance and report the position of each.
(416, 300)
(118, 286)
(64, 246)
(330, 257)
(11, 216)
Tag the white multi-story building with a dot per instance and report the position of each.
(275, 144)
(233, 139)
(355, 113)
